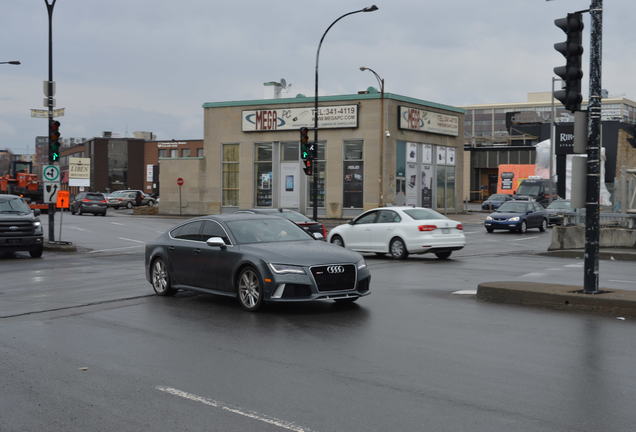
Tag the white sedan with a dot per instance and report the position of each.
(400, 231)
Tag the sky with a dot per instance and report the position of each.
(150, 65)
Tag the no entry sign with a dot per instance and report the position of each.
(180, 181)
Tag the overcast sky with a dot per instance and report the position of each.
(149, 65)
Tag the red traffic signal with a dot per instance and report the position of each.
(54, 141)
(308, 166)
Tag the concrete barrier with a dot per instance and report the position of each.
(573, 237)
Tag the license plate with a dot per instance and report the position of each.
(445, 230)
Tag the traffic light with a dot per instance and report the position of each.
(304, 143)
(572, 49)
(54, 141)
(308, 166)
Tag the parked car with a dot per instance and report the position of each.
(128, 198)
(254, 258)
(20, 228)
(299, 219)
(89, 202)
(494, 201)
(557, 210)
(146, 200)
(400, 231)
(517, 215)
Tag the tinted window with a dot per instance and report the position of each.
(560, 205)
(497, 197)
(513, 207)
(214, 229)
(266, 230)
(94, 196)
(189, 231)
(367, 218)
(295, 216)
(388, 216)
(423, 213)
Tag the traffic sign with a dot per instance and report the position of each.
(40, 113)
(50, 191)
(180, 181)
(51, 173)
(63, 199)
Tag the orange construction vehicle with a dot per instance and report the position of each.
(21, 181)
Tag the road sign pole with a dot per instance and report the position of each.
(59, 237)
(180, 182)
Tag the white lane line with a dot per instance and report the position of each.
(222, 405)
(132, 240)
(77, 228)
(465, 292)
(115, 249)
(574, 265)
(117, 223)
(533, 274)
(526, 238)
(622, 281)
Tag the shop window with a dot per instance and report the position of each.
(199, 152)
(163, 153)
(173, 153)
(185, 152)
(230, 174)
(289, 152)
(353, 181)
(263, 168)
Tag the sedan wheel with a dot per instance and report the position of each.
(397, 248)
(443, 255)
(337, 240)
(250, 291)
(161, 278)
(544, 225)
(129, 205)
(523, 228)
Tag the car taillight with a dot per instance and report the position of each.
(86, 200)
(460, 227)
(427, 227)
(103, 201)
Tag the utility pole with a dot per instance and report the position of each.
(49, 8)
(592, 229)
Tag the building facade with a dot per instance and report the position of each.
(372, 149)
(169, 149)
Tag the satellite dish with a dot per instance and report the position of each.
(283, 82)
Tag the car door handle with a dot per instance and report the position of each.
(197, 251)
(171, 248)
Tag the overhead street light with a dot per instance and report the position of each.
(382, 134)
(13, 62)
(315, 143)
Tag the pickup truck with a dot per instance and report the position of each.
(20, 227)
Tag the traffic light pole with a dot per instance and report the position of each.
(49, 8)
(592, 229)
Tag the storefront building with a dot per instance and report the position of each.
(168, 149)
(371, 150)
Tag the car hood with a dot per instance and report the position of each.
(311, 252)
(506, 215)
(18, 217)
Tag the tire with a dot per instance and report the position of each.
(160, 278)
(116, 207)
(249, 289)
(36, 252)
(72, 211)
(490, 230)
(103, 214)
(79, 210)
(337, 240)
(523, 228)
(347, 300)
(129, 205)
(443, 255)
(397, 249)
(544, 225)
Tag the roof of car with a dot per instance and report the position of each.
(8, 196)
(238, 216)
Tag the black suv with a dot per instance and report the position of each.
(89, 202)
(20, 228)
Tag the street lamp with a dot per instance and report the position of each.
(381, 141)
(315, 143)
(13, 62)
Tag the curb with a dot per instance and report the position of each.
(59, 246)
(616, 254)
(615, 302)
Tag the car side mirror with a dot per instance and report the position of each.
(216, 242)
(351, 222)
(36, 212)
(318, 236)
(528, 212)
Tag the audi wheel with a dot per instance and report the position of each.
(249, 289)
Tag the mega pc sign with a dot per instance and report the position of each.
(276, 119)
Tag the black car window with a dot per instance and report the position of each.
(95, 197)
(214, 229)
(266, 230)
(189, 231)
(423, 214)
(388, 216)
(513, 207)
(294, 216)
(367, 218)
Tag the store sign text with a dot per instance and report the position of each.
(428, 121)
(329, 117)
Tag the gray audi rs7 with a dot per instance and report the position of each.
(255, 258)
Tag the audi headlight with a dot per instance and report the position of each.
(361, 264)
(514, 219)
(488, 217)
(286, 269)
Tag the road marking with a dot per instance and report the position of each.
(115, 249)
(77, 228)
(472, 232)
(574, 265)
(526, 238)
(465, 292)
(117, 223)
(222, 405)
(132, 240)
(533, 274)
(622, 281)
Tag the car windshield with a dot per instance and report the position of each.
(423, 213)
(266, 230)
(513, 207)
(13, 205)
(497, 197)
(95, 197)
(529, 189)
(560, 205)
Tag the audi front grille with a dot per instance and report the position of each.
(335, 277)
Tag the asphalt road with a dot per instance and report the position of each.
(84, 345)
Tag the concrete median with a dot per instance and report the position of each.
(614, 302)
